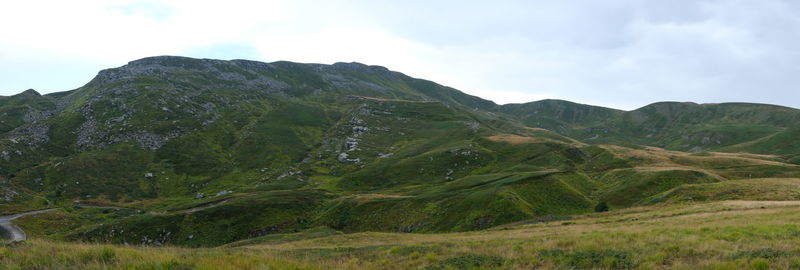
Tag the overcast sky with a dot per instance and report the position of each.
(620, 54)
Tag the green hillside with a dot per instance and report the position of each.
(672, 125)
(202, 152)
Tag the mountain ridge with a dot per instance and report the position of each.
(160, 60)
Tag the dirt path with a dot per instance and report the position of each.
(13, 232)
(203, 207)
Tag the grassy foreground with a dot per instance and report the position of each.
(718, 235)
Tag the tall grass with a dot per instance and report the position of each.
(720, 235)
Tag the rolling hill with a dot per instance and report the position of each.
(202, 152)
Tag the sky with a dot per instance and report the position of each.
(616, 53)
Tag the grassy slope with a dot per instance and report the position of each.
(754, 189)
(671, 125)
(415, 132)
(512, 178)
(784, 142)
(431, 159)
(652, 171)
(506, 194)
(719, 235)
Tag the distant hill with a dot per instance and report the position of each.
(672, 125)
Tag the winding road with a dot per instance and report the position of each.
(12, 232)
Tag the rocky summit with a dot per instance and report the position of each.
(199, 152)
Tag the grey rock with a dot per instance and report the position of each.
(474, 126)
(344, 158)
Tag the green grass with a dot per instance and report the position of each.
(55, 225)
(38, 254)
(719, 235)
(784, 189)
(238, 218)
(781, 143)
(315, 232)
(627, 187)
(430, 158)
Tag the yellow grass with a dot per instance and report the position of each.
(394, 100)
(718, 235)
(645, 217)
(515, 139)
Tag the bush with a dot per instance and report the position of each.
(589, 259)
(176, 265)
(97, 255)
(601, 207)
(760, 264)
(609, 259)
(764, 253)
(470, 261)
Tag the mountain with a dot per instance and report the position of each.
(201, 152)
(681, 126)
